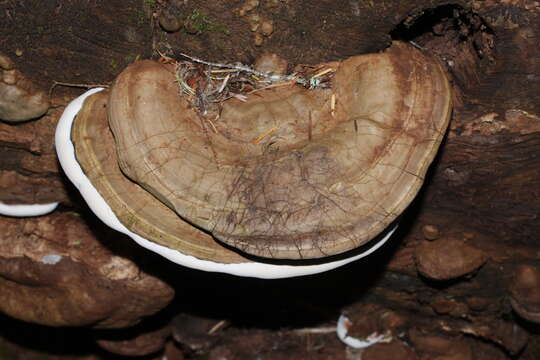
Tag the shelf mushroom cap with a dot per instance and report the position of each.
(340, 166)
(237, 265)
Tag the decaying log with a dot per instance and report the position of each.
(54, 271)
(482, 193)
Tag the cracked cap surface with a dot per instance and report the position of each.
(287, 174)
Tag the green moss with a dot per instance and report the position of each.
(140, 17)
(198, 23)
(131, 58)
(114, 65)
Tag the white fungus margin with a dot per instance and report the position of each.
(66, 155)
(27, 210)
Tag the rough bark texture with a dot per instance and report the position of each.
(53, 271)
(483, 191)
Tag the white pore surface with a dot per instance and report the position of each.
(66, 155)
(27, 210)
(342, 330)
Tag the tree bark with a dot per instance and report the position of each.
(483, 190)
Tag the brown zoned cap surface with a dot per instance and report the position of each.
(137, 209)
(321, 183)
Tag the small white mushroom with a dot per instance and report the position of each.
(342, 332)
(51, 259)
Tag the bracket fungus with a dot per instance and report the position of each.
(24, 210)
(20, 99)
(285, 173)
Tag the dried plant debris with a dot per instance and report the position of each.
(207, 84)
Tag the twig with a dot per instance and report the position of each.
(321, 73)
(246, 69)
(224, 83)
(416, 45)
(179, 73)
(212, 124)
(242, 98)
(199, 80)
(86, 86)
(216, 327)
(319, 330)
(217, 71)
(272, 86)
(262, 136)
